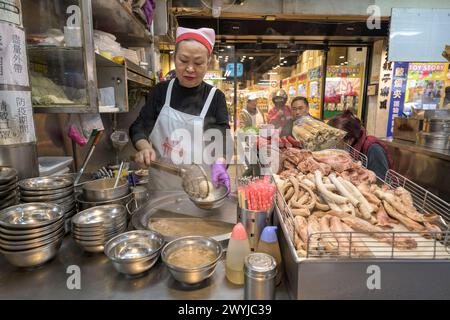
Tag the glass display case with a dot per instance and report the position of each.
(85, 55)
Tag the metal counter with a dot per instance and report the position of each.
(430, 168)
(408, 145)
(99, 280)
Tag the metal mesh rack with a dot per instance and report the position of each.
(355, 154)
(394, 244)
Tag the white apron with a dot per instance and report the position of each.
(169, 139)
(258, 119)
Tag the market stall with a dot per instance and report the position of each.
(373, 241)
(317, 223)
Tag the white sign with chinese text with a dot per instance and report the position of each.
(10, 11)
(13, 58)
(16, 118)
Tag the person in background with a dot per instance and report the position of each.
(172, 74)
(300, 107)
(281, 114)
(447, 97)
(251, 116)
(378, 157)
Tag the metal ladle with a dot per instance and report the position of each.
(193, 177)
(119, 174)
(88, 157)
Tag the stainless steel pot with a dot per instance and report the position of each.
(34, 257)
(103, 190)
(84, 204)
(434, 140)
(436, 125)
(196, 274)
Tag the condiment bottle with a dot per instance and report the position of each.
(268, 243)
(260, 271)
(238, 249)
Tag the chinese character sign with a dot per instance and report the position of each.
(384, 90)
(398, 90)
(16, 118)
(13, 59)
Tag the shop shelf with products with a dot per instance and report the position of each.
(70, 72)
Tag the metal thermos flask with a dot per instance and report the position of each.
(260, 270)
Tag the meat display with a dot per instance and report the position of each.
(337, 206)
(326, 161)
(316, 135)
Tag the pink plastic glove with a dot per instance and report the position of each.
(219, 175)
(76, 136)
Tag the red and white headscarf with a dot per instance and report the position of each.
(205, 36)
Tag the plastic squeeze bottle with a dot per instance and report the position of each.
(268, 243)
(238, 249)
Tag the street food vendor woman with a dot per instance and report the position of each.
(184, 103)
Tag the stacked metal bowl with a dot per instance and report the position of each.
(8, 187)
(102, 192)
(93, 227)
(31, 233)
(52, 189)
(134, 252)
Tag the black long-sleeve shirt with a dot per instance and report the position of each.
(187, 100)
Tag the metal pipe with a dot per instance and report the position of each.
(324, 80)
(235, 89)
(366, 83)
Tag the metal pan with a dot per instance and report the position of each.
(83, 204)
(103, 190)
(30, 215)
(9, 196)
(99, 232)
(92, 248)
(70, 214)
(46, 183)
(8, 191)
(24, 242)
(68, 207)
(96, 239)
(31, 232)
(27, 193)
(178, 207)
(8, 186)
(98, 216)
(19, 236)
(92, 230)
(7, 174)
(9, 203)
(45, 198)
(34, 245)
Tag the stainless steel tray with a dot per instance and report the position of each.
(46, 183)
(7, 186)
(7, 174)
(391, 276)
(30, 215)
(27, 193)
(176, 205)
(48, 197)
